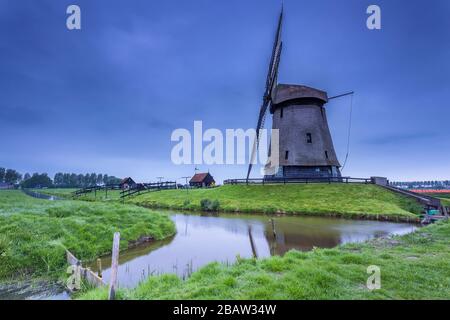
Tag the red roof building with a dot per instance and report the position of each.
(202, 180)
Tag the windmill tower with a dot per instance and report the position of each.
(305, 144)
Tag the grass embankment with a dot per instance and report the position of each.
(352, 201)
(413, 266)
(34, 233)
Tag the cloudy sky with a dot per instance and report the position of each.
(107, 98)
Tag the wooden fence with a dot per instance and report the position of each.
(86, 273)
(141, 188)
(303, 180)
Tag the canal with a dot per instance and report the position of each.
(201, 239)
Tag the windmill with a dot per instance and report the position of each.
(305, 144)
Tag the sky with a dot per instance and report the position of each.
(106, 98)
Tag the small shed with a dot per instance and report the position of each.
(201, 180)
(127, 183)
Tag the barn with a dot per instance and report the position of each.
(127, 183)
(202, 180)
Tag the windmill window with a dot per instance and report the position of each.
(286, 155)
(308, 138)
(281, 113)
(326, 154)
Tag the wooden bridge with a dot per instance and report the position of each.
(427, 201)
(141, 188)
(138, 188)
(87, 190)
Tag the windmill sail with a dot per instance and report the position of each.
(270, 84)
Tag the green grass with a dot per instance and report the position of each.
(351, 201)
(34, 233)
(413, 266)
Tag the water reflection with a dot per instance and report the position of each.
(201, 239)
(38, 195)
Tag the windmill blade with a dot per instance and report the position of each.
(261, 117)
(264, 107)
(275, 71)
(275, 50)
(270, 84)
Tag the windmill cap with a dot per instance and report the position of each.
(288, 92)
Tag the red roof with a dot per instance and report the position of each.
(199, 177)
(127, 180)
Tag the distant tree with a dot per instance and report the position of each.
(66, 179)
(12, 176)
(58, 180)
(105, 179)
(92, 179)
(2, 174)
(80, 181)
(26, 176)
(73, 180)
(86, 179)
(114, 180)
(38, 181)
(99, 179)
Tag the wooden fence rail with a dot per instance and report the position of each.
(303, 180)
(86, 273)
(148, 187)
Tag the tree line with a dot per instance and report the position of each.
(60, 180)
(70, 180)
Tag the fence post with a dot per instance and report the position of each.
(99, 267)
(114, 266)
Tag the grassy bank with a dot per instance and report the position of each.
(352, 200)
(413, 266)
(34, 233)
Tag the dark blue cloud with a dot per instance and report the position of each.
(108, 97)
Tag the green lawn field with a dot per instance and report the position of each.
(34, 233)
(343, 200)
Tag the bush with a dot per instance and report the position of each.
(208, 205)
(186, 203)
